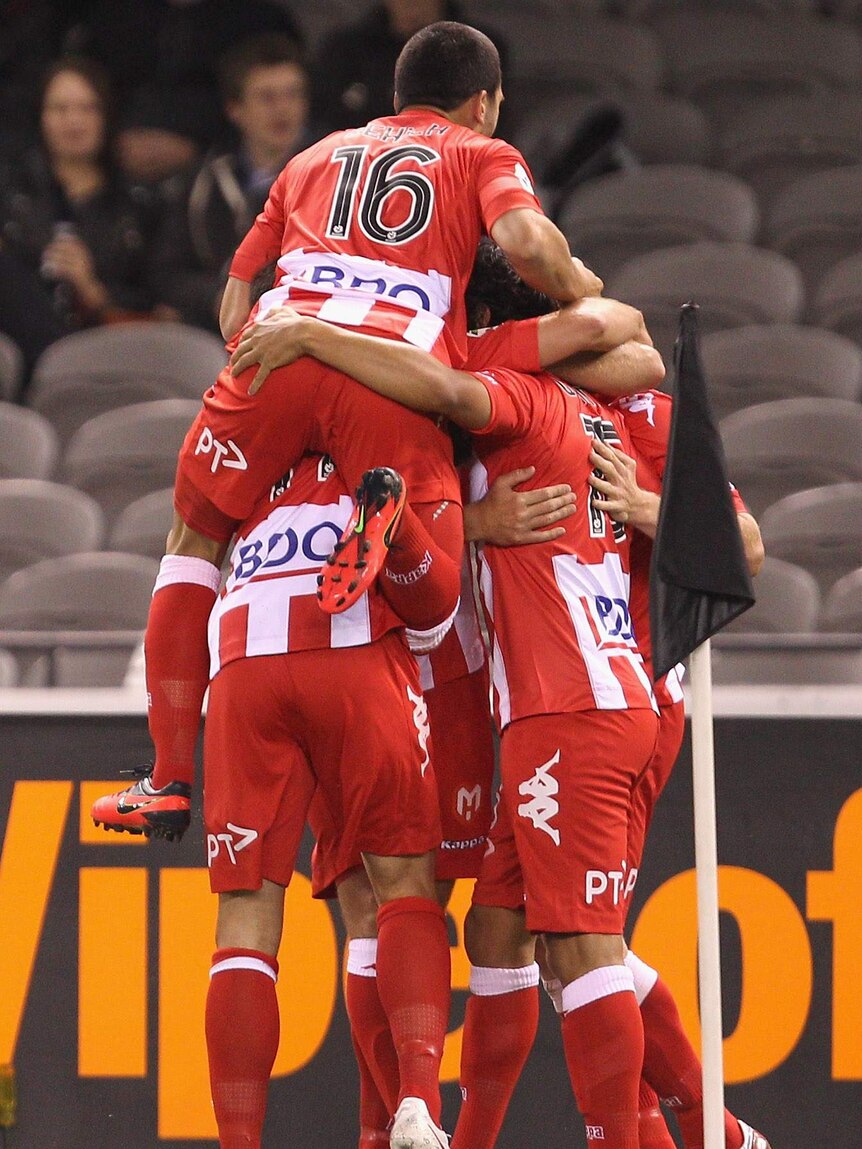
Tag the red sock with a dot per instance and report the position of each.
(653, 1132)
(499, 1030)
(372, 1040)
(413, 978)
(422, 576)
(177, 660)
(673, 1068)
(603, 1040)
(242, 1041)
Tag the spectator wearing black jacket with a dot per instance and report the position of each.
(265, 92)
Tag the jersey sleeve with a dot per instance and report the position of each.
(647, 418)
(513, 402)
(514, 344)
(505, 183)
(262, 242)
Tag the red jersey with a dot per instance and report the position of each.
(648, 420)
(561, 633)
(268, 604)
(377, 227)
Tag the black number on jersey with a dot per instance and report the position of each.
(382, 181)
(598, 428)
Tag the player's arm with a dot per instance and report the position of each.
(235, 306)
(561, 333)
(627, 369)
(539, 252)
(396, 370)
(626, 502)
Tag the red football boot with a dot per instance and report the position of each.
(361, 551)
(140, 809)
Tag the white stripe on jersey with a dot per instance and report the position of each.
(673, 683)
(499, 679)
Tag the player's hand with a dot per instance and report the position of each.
(274, 341)
(593, 285)
(620, 494)
(509, 518)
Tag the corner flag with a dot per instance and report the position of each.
(699, 578)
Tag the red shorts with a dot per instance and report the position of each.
(670, 734)
(349, 724)
(559, 842)
(240, 446)
(463, 752)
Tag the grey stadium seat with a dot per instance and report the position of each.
(40, 520)
(618, 217)
(11, 367)
(9, 675)
(142, 527)
(777, 449)
(86, 592)
(783, 139)
(817, 221)
(819, 529)
(99, 370)
(733, 283)
(842, 610)
(788, 601)
(121, 455)
(29, 447)
(727, 61)
(838, 302)
(750, 365)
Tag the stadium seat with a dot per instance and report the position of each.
(733, 283)
(842, 610)
(654, 9)
(819, 529)
(783, 139)
(817, 221)
(623, 215)
(99, 370)
(8, 669)
(11, 367)
(726, 61)
(838, 301)
(788, 601)
(86, 592)
(142, 527)
(28, 444)
(121, 455)
(750, 365)
(40, 520)
(777, 449)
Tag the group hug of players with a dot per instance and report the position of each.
(346, 668)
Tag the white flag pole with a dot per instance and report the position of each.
(706, 862)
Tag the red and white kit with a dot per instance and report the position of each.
(572, 696)
(419, 189)
(301, 701)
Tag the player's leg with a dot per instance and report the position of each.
(177, 670)
(571, 778)
(258, 788)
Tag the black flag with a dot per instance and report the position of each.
(699, 580)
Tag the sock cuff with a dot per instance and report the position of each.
(362, 957)
(409, 906)
(644, 976)
(553, 987)
(491, 981)
(255, 960)
(421, 641)
(187, 569)
(598, 983)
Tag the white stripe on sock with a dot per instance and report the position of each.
(362, 957)
(644, 975)
(243, 963)
(186, 568)
(490, 981)
(596, 984)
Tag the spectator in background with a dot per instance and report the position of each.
(355, 66)
(74, 234)
(163, 56)
(265, 92)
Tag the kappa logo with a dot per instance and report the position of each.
(234, 842)
(468, 802)
(642, 404)
(325, 468)
(420, 721)
(229, 455)
(523, 179)
(542, 789)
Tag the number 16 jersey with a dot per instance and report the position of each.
(377, 227)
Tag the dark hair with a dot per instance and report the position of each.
(497, 288)
(263, 51)
(445, 64)
(97, 76)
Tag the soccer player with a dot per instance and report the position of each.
(375, 227)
